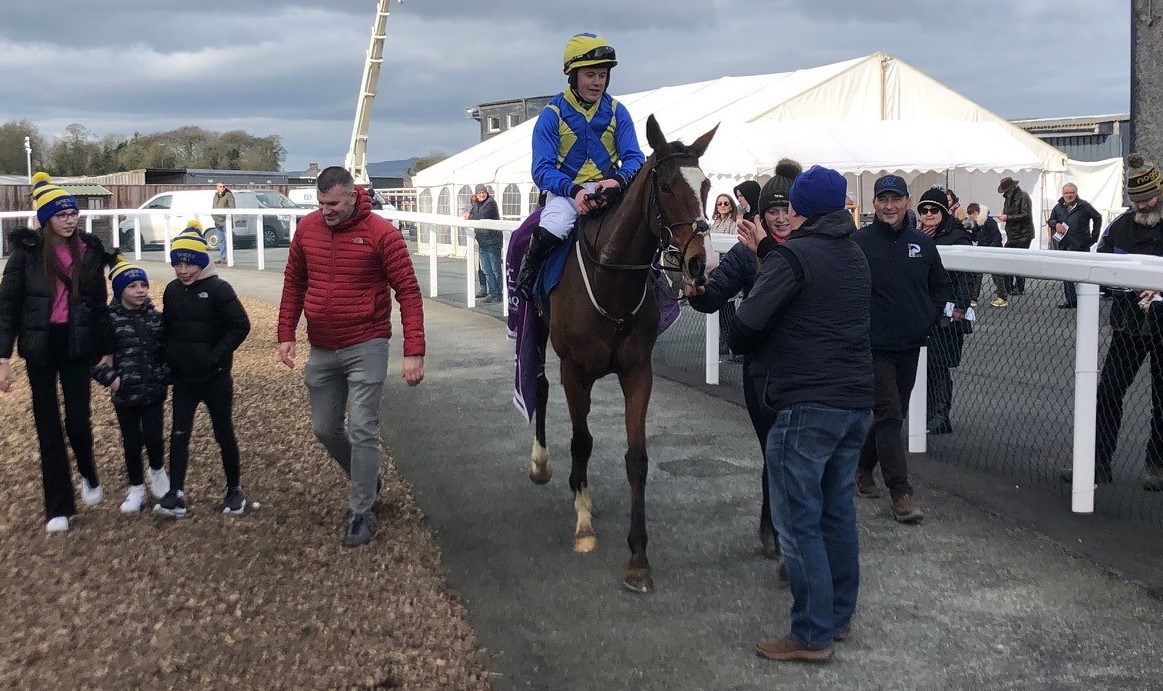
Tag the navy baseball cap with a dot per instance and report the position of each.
(890, 183)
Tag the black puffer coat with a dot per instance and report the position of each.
(26, 301)
(139, 358)
(947, 338)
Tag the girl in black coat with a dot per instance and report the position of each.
(52, 304)
(138, 379)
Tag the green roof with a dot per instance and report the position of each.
(82, 190)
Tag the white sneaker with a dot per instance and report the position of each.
(60, 524)
(91, 495)
(134, 499)
(159, 482)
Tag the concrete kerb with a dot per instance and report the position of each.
(966, 600)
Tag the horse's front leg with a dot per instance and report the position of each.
(539, 469)
(579, 387)
(636, 385)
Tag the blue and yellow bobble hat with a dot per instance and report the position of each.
(125, 273)
(190, 246)
(49, 199)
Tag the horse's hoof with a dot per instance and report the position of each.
(638, 581)
(767, 544)
(540, 474)
(583, 544)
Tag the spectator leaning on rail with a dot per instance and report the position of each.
(909, 289)
(489, 242)
(583, 141)
(1017, 213)
(223, 199)
(807, 320)
(344, 264)
(1137, 323)
(947, 337)
(1075, 225)
(735, 275)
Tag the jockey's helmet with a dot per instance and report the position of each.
(587, 50)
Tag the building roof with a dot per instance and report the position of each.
(1082, 123)
(83, 190)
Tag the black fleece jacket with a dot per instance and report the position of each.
(909, 284)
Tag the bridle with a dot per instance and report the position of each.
(670, 257)
(667, 255)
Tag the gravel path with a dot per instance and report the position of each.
(267, 600)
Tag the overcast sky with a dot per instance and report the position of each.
(293, 68)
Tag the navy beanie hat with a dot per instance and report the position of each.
(818, 190)
(125, 273)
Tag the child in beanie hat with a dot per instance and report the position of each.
(190, 247)
(124, 273)
(138, 380)
(49, 199)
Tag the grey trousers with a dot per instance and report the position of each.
(350, 380)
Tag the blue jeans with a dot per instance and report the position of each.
(221, 230)
(491, 266)
(812, 452)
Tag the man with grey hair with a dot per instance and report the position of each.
(1136, 320)
(343, 266)
(1075, 226)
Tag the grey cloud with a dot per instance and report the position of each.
(292, 67)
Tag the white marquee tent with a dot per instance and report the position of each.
(864, 117)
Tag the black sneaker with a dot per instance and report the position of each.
(172, 505)
(234, 503)
(359, 530)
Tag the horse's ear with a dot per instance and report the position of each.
(702, 142)
(654, 134)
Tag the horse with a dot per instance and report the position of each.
(603, 319)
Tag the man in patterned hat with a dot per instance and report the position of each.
(1137, 328)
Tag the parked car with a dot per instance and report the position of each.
(304, 198)
(184, 205)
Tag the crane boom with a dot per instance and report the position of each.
(356, 162)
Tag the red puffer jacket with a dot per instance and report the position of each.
(342, 279)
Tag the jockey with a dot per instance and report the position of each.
(583, 141)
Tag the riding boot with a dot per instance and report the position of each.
(541, 245)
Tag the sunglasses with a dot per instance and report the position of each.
(723, 203)
(928, 210)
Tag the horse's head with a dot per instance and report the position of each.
(678, 195)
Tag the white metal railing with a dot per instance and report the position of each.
(1088, 270)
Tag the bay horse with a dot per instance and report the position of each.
(603, 319)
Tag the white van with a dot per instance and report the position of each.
(171, 211)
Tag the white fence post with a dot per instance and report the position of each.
(433, 290)
(260, 241)
(470, 270)
(711, 350)
(505, 237)
(918, 406)
(1085, 398)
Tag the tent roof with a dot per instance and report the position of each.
(832, 105)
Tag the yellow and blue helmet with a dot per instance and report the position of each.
(587, 50)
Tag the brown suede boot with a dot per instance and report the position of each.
(905, 510)
(866, 485)
(786, 650)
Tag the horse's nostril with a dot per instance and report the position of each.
(697, 265)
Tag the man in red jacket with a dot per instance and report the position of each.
(343, 265)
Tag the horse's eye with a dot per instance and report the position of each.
(664, 187)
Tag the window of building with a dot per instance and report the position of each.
(534, 193)
(494, 123)
(96, 203)
(464, 198)
(511, 202)
(512, 120)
